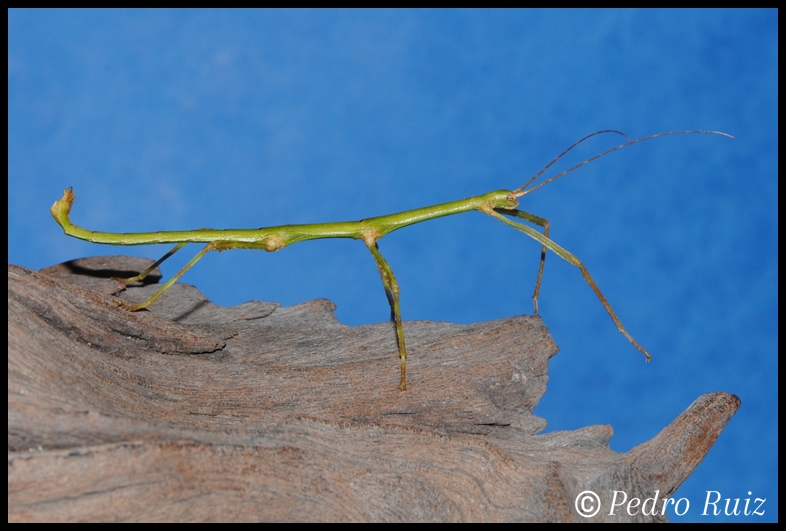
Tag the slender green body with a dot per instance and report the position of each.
(274, 238)
(497, 204)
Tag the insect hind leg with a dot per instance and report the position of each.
(169, 283)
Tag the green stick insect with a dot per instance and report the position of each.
(497, 204)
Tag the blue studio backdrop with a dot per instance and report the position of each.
(180, 119)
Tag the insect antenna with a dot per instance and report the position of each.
(518, 192)
(550, 164)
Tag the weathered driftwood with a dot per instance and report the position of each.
(194, 412)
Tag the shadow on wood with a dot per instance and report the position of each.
(194, 412)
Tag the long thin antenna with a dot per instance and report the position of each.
(518, 192)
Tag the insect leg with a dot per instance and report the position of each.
(571, 259)
(168, 284)
(147, 271)
(546, 227)
(392, 290)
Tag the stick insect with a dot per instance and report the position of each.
(497, 204)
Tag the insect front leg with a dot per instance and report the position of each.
(568, 257)
(543, 222)
(392, 290)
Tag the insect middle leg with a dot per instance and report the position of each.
(392, 290)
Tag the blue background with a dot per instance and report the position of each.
(165, 120)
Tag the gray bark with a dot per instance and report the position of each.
(194, 412)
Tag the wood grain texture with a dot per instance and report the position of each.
(194, 412)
